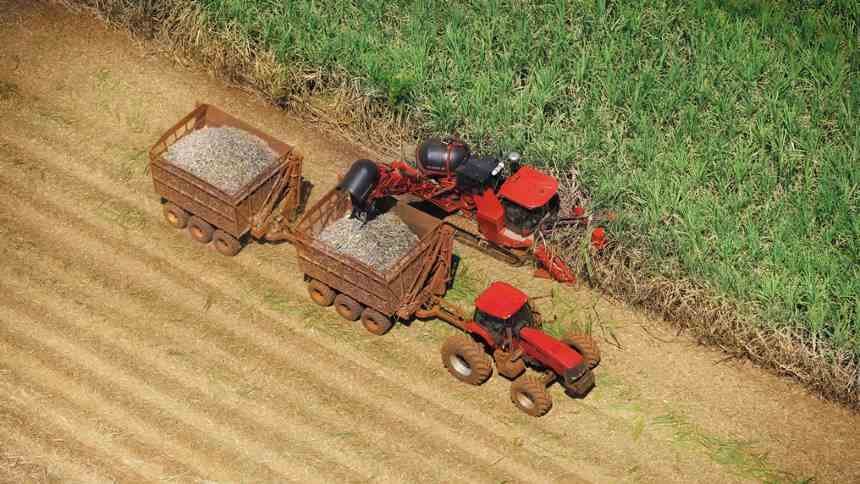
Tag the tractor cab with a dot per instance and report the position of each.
(502, 307)
(529, 196)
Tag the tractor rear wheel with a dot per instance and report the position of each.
(507, 368)
(175, 216)
(530, 395)
(348, 308)
(586, 346)
(320, 293)
(375, 322)
(225, 243)
(466, 360)
(200, 230)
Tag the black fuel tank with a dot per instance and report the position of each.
(440, 158)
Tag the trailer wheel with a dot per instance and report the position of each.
(348, 308)
(200, 230)
(584, 345)
(225, 243)
(320, 293)
(175, 216)
(466, 360)
(529, 394)
(581, 387)
(506, 367)
(376, 322)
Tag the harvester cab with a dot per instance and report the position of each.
(529, 197)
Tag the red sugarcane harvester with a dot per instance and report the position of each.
(505, 216)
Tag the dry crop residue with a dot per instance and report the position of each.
(378, 243)
(132, 354)
(228, 158)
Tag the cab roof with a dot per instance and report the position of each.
(501, 300)
(529, 187)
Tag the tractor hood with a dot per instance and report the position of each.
(529, 188)
(555, 354)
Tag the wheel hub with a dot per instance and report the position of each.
(525, 400)
(460, 365)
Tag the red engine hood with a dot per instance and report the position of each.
(552, 352)
(529, 188)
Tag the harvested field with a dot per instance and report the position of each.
(228, 158)
(378, 243)
(131, 354)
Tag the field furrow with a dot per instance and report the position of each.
(287, 408)
(131, 353)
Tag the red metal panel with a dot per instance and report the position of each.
(529, 187)
(501, 300)
(548, 350)
(490, 215)
(478, 330)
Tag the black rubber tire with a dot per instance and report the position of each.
(348, 308)
(530, 395)
(466, 360)
(506, 368)
(586, 346)
(175, 216)
(320, 293)
(581, 387)
(200, 230)
(376, 322)
(225, 243)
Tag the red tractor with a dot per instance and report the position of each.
(499, 214)
(507, 327)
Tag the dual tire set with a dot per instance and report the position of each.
(348, 308)
(468, 361)
(201, 231)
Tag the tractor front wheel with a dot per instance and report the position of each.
(586, 346)
(530, 395)
(466, 360)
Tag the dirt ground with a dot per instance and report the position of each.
(129, 353)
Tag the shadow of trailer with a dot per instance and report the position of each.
(262, 209)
